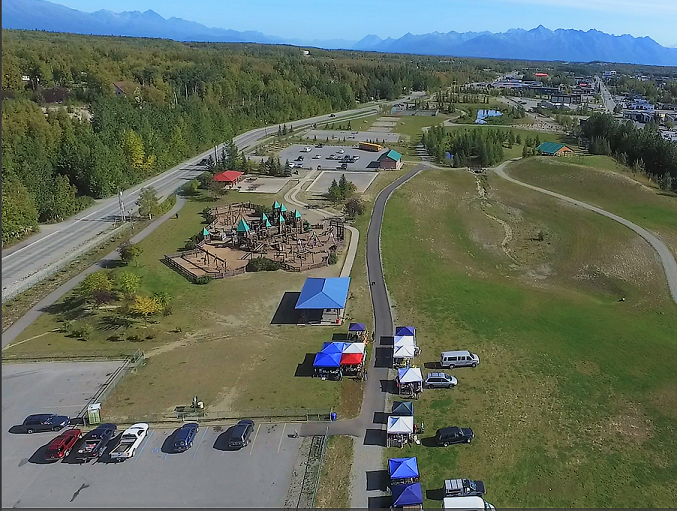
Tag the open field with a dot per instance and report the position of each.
(218, 343)
(334, 488)
(564, 413)
(602, 182)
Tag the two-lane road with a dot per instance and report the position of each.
(24, 264)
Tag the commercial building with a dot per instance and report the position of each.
(390, 160)
(554, 149)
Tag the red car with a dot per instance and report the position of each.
(61, 446)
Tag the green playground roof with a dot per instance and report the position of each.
(297, 214)
(267, 223)
(264, 218)
(276, 205)
(242, 226)
(283, 208)
(281, 219)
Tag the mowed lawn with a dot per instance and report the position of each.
(574, 403)
(218, 343)
(600, 181)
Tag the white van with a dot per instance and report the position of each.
(467, 503)
(451, 359)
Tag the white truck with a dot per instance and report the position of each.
(474, 503)
(129, 442)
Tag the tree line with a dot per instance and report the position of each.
(642, 149)
(479, 146)
(172, 101)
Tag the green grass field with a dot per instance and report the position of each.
(573, 404)
(600, 181)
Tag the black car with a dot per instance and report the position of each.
(183, 438)
(453, 435)
(463, 488)
(241, 433)
(203, 162)
(45, 422)
(94, 443)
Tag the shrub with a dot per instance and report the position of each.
(127, 282)
(129, 252)
(84, 331)
(262, 264)
(94, 282)
(258, 209)
(204, 279)
(333, 258)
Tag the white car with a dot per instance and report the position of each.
(355, 158)
(317, 157)
(341, 151)
(129, 442)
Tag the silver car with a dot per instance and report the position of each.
(440, 381)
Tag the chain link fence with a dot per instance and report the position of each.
(311, 478)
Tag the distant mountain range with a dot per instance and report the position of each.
(537, 44)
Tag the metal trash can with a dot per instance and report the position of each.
(94, 413)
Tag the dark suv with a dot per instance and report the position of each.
(453, 435)
(241, 433)
(183, 439)
(45, 422)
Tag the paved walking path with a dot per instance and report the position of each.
(666, 257)
(22, 323)
(368, 427)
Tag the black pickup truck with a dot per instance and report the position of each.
(94, 443)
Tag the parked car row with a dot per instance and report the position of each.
(92, 445)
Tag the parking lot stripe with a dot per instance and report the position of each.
(281, 436)
(254, 441)
(145, 443)
(200, 443)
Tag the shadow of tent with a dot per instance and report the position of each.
(380, 418)
(387, 340)
(389, 386)
(432, 365)
(340, 336)
(375, 437)
(221, 442)
(380, 502)
(286, 314)
(436, 494)
(383, 357)
(305, 368)
(377, 480)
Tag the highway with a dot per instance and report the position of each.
(24, 264)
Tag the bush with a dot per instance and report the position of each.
(262, 264)
(333, 258)
(204, 279)
(129, 252)
(258, 209)
(84, 332)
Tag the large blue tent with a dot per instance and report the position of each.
(327, 360)
(405, 330)
(356, 327)
(333, 347)
(402, 468)
(407, 494)
(330, 293)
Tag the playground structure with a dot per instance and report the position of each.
(241, 232)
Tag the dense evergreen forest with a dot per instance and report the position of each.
(176, 100)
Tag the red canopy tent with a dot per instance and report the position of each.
(228, 176)
(351, 359)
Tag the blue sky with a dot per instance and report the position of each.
(353, 19)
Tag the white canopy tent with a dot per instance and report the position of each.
(404, 340)
(410, 375)
(354, 347)
(400, 425)
(404, 352)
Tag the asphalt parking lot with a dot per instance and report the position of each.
(207, 475)
(361, 180)
(367, 161)
(382, 133)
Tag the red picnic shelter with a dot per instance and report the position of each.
(230, 177)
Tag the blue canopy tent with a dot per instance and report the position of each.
(322, 295)
(402, 468)
(407, 495)
(327, 360)
(403, 408)
(356, 327)
(333, 347)
(405, 330)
